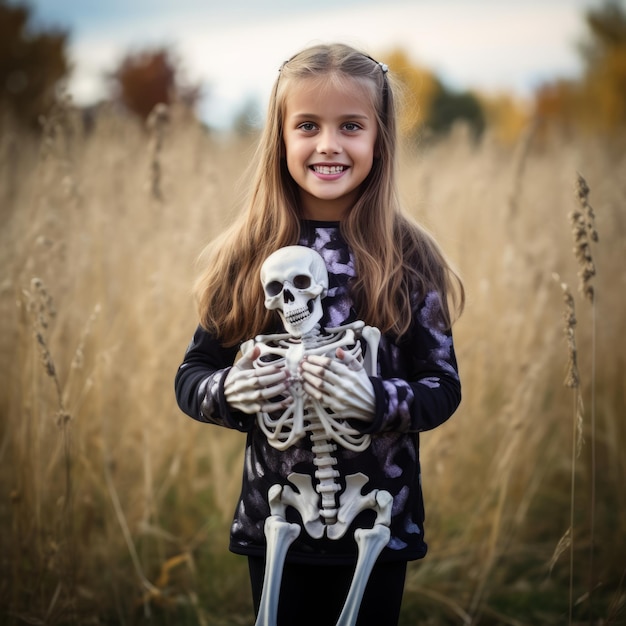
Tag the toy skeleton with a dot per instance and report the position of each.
(295, 280)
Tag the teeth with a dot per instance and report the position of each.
(297, 316)
(328, 169)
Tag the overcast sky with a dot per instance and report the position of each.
(234, 47)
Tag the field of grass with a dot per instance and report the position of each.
(115, 507)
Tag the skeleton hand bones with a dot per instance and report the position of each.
(250, 391)
(341, 384)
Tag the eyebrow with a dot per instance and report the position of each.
(350, 116)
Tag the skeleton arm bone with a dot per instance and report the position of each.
(341, 384)
(371, 336)
(250, 390)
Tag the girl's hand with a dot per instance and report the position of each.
(250, 390)
(340, 384)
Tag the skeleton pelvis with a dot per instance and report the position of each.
(306, 500)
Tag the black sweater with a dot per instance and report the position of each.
(417, 388)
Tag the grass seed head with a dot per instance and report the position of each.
(584, 232)
(572, 378)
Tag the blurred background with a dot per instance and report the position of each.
(125, 132)
(480, 60)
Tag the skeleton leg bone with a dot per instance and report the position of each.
(279, 534)
(371, 542)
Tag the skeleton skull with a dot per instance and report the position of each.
(295, 280)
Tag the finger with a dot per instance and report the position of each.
(338, 380)
(234, 387)
(338, 376)
(253, 354)
(249, 391)
(314, 359)
(247, 359)
(241, 385)
(279, 389)
(274, 377)
(312, 379)
(245, 406)
(348, 359)
(315, 392)
(353, 410)
(252, 378)
(342, 384)
(240, 380)
(318, 368)
(252, 405)
(273, 407)
(321, 366)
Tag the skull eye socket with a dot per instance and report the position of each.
(302, 282)
(273, 288)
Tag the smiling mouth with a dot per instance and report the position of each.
(328, 169)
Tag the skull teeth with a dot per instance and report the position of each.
(296, 317)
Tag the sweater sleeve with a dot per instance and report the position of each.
(428, 391)
(199, 383)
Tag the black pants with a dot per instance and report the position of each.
(314, 595)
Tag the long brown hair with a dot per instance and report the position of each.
(395, 257)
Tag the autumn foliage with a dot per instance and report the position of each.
(430, 107)
(596, 102)
(31, 64)
(150, 77)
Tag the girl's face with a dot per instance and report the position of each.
(330, 137)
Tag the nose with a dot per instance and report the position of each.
(328, 142)
(287, 296)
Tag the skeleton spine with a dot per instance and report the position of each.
(325, 474)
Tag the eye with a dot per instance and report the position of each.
(307, 127)
(351, 126)
(273, 288)
(302, 282)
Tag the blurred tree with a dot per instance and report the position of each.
(150, 77)
(604, 54)
(32, 64)
(449, 107)
(419, 87)
(504, 116)
(559, 104)
(428, 103)
(597, 101)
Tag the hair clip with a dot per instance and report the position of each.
(383, 67)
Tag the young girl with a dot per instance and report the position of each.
(325, 178)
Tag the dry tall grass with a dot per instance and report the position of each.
(115, 508)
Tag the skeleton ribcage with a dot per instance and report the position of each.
(307, 414)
